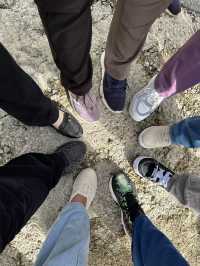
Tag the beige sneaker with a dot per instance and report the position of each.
(155, 137)
(85, 185)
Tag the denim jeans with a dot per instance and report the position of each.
(186, 132)
(68, 240)
(150, 247)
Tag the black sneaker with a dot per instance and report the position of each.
(153, 170)
(73, 154)
(124, 194)
(175, 7)
(70, 127)
(112, 91)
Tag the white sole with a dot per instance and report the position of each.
(116, 201)
(112, 192)
(123, 224)
(101, 86)
(140, 140)
(136, 164)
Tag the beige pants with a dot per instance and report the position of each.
(130, 25)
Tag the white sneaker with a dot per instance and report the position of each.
(85, 185)
(145, 102)
(155, 137)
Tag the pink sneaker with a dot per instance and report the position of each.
(86, 106)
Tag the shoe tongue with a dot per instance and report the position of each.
(114, 83)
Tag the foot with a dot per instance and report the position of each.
(154, 171)
(155, 137)
(68, 126)
(73, 154)
(175, 7)
(112, 91)
(85, 187)
(86, 106)
(145, 102)
(124, 194)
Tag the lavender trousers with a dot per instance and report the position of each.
(182, 71)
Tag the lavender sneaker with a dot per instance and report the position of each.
(86, 106)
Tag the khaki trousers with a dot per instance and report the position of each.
(129, 28)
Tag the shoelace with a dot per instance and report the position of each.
(150, 98)
(161, 176)
(124, 201)
(124, 198)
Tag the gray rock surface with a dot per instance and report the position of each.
(112, 142)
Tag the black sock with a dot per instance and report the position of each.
(133, 206)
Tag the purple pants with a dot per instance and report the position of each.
(182, 71)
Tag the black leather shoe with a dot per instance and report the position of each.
(70, 127)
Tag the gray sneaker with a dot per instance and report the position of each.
(145, 102)
(73, 154)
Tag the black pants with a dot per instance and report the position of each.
(24, 185)
(68, 25)
(21, 97)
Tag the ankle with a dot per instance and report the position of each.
(135, 212)
(134, 208)
(79, 199)
(59, 120)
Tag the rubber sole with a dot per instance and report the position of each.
(141, 141)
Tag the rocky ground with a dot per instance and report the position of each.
(112, 142)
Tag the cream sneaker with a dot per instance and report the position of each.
(85, 185)
(155, 137)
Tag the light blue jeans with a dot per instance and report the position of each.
(67, 243)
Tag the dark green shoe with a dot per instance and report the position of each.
(124, 194)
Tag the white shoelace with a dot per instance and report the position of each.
(161, 176)
(150, 99)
